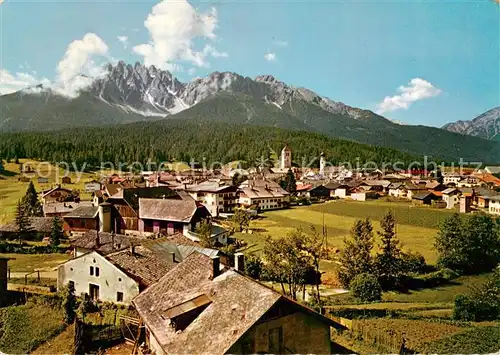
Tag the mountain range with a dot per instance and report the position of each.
(129, 93)
(486, 125)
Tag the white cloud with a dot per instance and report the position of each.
(123, 40)
(270, 57)
(192, 71)
(281, 43)
(173, 25)
(10, 83)
(418, 89)
(78, 66)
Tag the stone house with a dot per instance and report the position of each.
(200, 307)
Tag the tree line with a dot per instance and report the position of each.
(188, 140)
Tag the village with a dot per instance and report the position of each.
(167, 245)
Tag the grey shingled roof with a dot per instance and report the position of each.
(143, 265)
(167, 209)
(38, 224)
(83, 212)
(235, 304)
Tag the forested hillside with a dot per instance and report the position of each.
(183, 140)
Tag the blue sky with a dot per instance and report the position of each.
(445, 53)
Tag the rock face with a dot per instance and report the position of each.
(154, 92)
(486, 125)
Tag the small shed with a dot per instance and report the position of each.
(66, 180)
(424, 198)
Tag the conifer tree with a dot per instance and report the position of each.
(23, 223)
(31, 203)
(388, 262)
(56, 233)
(291, 183)
(356, 256)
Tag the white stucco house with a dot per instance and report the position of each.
(116, 277)
(452, 197)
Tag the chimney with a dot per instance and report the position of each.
(132, 249)
(239, 262)
(173, 257)
(215, 267)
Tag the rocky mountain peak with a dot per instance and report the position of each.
(486, 125)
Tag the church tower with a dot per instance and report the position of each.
(286, 158)
(322, 163)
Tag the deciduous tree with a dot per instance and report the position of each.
(204, 232)
(471, 246)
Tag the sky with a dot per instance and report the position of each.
(418, 62)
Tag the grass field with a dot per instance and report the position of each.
(478, 339)
(442, 294)
(12, 190)
(338, 222)
(26, 327)
(32, 262)
(415, 332)
(405, 212)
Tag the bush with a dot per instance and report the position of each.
(366, 287)
(432, 279)
(253, 266)
(483, 304)
(413, 262)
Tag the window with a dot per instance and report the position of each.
(119, 297)
(97, 272)
(71, 284)
(91, 271)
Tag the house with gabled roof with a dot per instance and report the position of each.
(424, 198)
(169, 216)
(494, 205)
(266, 194)
(217, 197)
(199, 307)
(451, 196)
(55, 194)
(115, 277)
(396, 189)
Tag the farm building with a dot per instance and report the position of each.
(240, 314)
(41, 228)
(116, 277)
